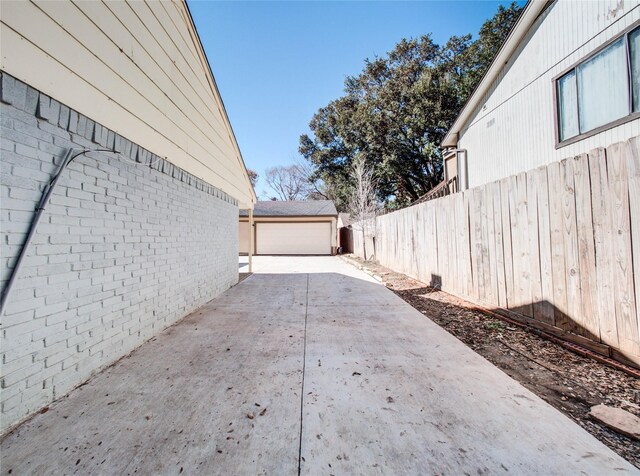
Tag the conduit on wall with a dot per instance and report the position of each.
(44, 200)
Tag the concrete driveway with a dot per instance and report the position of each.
(308, 366)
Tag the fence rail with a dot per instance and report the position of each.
(443, 189)
(556, 246)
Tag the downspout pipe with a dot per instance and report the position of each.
(39, 211)
(465, 168)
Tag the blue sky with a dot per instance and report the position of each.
(276, 63)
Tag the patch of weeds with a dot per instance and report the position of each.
(495, 326)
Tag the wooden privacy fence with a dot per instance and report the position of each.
(555, 247)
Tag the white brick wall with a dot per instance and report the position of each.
(124, 249)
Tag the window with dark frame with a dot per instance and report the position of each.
(600, 90)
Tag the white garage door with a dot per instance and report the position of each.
(293, 238)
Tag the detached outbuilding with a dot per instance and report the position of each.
(297, 227)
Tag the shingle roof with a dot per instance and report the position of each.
(292, 208)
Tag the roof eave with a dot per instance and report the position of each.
(232, 134)
(532, 10)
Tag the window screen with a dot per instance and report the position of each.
(634, 54)
(567, 103)
(602, 87)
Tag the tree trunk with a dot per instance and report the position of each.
(364, 244)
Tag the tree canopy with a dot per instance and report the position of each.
(396, 112)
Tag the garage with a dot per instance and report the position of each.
(293, 238)
(295, 227)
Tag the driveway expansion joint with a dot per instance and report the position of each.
(304, 368)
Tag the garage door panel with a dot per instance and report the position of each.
(293, 238)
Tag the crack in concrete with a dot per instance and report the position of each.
(304, 366)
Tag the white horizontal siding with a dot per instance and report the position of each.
(135, 67)
(513, 128)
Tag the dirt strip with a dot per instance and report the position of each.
(567, 381)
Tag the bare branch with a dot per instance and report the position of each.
(363, 204)
(288, 182)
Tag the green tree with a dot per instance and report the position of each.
(395, 113)
(493, 33)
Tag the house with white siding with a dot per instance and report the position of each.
(120, 190)
(566, 81)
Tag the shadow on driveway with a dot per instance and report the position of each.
(323, 373)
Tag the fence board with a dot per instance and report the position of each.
(557, 245)
(490, 246)
(572, 319)
(602, 228)
(545, 309)
(534, 244)
(435, 264)
(623, 269)
(418, 225)
(441, 238)
(633, 157)
(476, 219)
(586, 247)
(506, 242)
(443, 244)
(467, 223)
(516, 231)
(558, 266)
(499, 246)
(520, 243)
